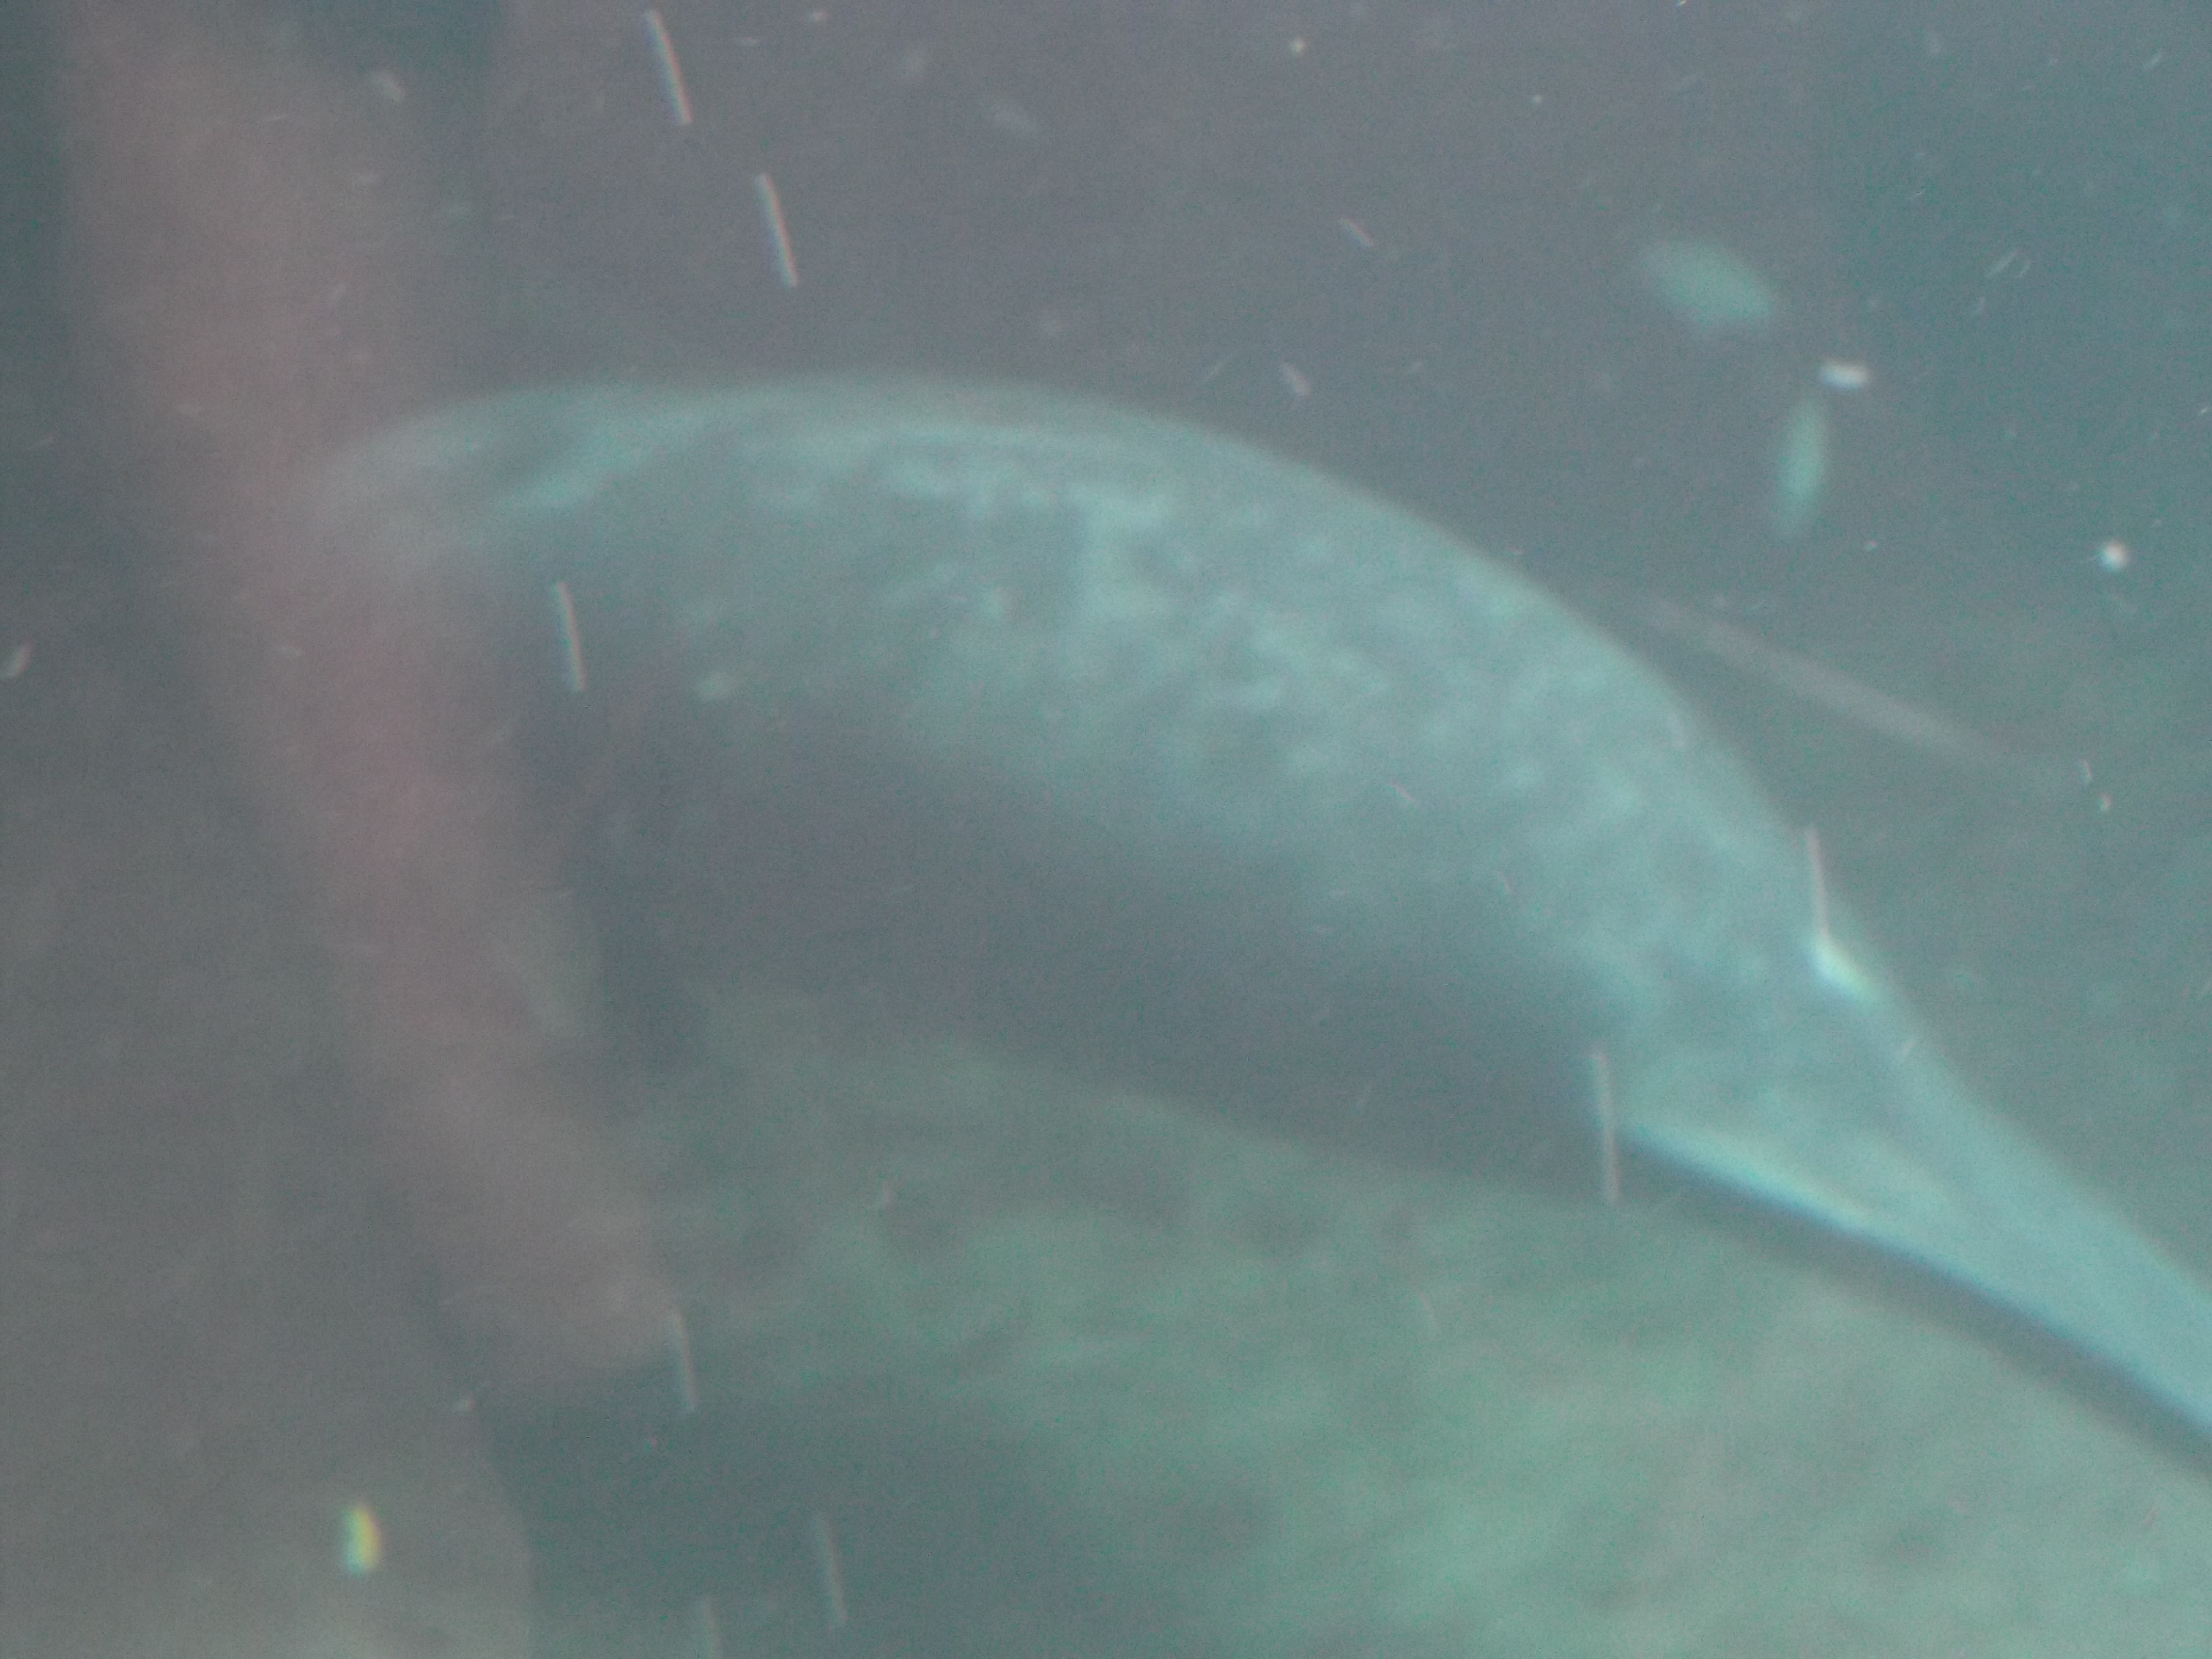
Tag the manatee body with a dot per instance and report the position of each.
(1109, 737)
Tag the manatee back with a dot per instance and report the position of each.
(1106, 734)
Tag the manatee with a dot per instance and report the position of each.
(1104, 736)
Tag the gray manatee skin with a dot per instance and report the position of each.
(1109, 737)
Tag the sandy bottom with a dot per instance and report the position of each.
(993, 1364)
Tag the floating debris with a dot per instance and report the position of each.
(779, 232)
(1854, 700)
(686, 1370)
(361, 1541)
(1835, 965)
(1801, 468)
(1608, 1115)
(572, 641)
(1843, 375)
(707, 1628)
(1004, 115)
(830, 1568)
(1711, 289)
(672, 89)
